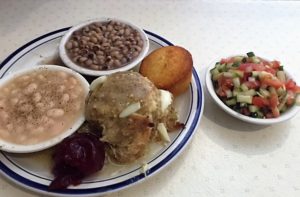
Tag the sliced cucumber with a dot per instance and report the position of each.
(214, 71)
(229, 66)
(244, 99)
(250, 92)
(236, 64)
(260, 95)
(228, 93)
(250, 54)
(281, 76)
(244, 87)
(231, 102)
(221, 67)
(265, 93)
(255, 60)
(236, 82)
(228, 74)
(236, 91)
(280, 68)
(272, 90)
(253, 108)
(255, 73)
(238, 73)
(281, 91)
(283, 102)
(260, 114)
(216, 77)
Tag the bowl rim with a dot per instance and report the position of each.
(65, 58)
(18, 148)
(209, 85)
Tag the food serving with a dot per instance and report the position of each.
(254, 86)
(103, 46)
(41, 166)
(169, 68)
(130, 112)
(76, 157)
(40, 104)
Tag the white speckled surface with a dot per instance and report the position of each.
(226, 157)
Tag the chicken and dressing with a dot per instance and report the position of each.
(131, 112)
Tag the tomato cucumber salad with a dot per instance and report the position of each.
(254, 86)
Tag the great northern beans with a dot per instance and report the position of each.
(39, 105)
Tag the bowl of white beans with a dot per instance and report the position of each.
(103, 46)
(39, 107)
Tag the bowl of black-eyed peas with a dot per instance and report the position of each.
(103, 46)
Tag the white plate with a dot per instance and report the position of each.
(33, 171)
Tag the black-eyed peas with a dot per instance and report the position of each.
(104, 45)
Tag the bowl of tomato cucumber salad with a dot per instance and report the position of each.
(253, 89)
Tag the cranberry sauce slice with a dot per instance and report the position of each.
(76, 157)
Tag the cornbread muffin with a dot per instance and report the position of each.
(169, 68)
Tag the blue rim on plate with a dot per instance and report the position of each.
(197, 93)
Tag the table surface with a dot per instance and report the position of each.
(226, 157)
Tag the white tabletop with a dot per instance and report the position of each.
(226, 157)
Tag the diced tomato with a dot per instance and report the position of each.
(245, 77)
(252, 84)
(249, 67)
(260, 102)
(259, 67)
(220, 92)
(275, 112)
(290, 84)
(270, 70)
(227, 60)
(275, 64)
(225, 83)
(273, 101)
(246, 67)
(228, 83)
(272, 82)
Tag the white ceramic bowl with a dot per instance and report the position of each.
(16, 148)
(283, 117)
(65, 58)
